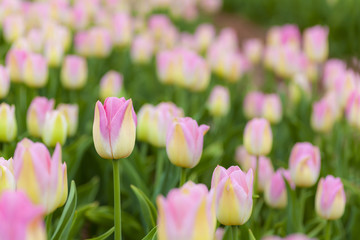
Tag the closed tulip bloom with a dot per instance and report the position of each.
(299, 87)
(20, 219)
(4, 82)
(253, 49)
(272, 108)
(35, 71)
(15, 63)
(304, 164)
(333, 69)
(36, 39)
(233, 195)
(275, 191)
(144, 116)
(142, 49)
(54, 52)
(114, 128)
(219, 101)
(253, 104)
(55, 128)
(219, 234)
(184, 143)
(187, 213)
(353, 109)
(42, 177)
(344, 85)
(298, 236)
(322, 117)
(258, 137)
(71, 113)
(7, 179)
(74, 72)
(35, 118)
(316, 44)
(204, 36)
(121, 29)
(111, 85)
(8, 125)
(100, 42)
(13, 27)
(271, 238)
(244, 159)
(330, 198)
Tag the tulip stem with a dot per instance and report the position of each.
(117, 199)
(256, 176)
(328, 230)
(182, 176)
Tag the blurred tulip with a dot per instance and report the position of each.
(275, 191)
(204, 36)
(8, 125)
(184, 142)
(35, 118)
(36, 40)
(333, 69)
(111, 85)
(233, 195)
(253, 49)
(142, 49)
(4, 82)
(211, 6)
(80, 19)
(258, 137)
(35, 71)
(15, 63)
(42, 177)
(344, 85)
(299, 87)
(122, 29)
(55, 128)
(304, 164)
(114, 128)
(71, 113)
(253, 104)
(353, 109)
(244, 159)
(100, 42)
(290, 35)
(54, 53)
(330, 198)
(322, 117)
(219, 101)
(158, 24)
(187, 213)
(144, 122)
(13, 27)
(74, 72)
(285, 62)
(7, 179)
(219, 234)
(271, 238)
(272, 108)
(316, 44)
(20, 219)
(298, 236)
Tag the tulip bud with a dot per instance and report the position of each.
(192, 203)
(144, 122)
(100, 42)
(219, 101)
(253, 49)
(35, 71)
(8, 126)
(253, 104)
(74, 72)
(330, 198)
(36, 40)
(15, 62)
(121, 29)
(13, 27)
(299, 87)
(272, 108)
(275, 191)
(233, 195)
(333, 69)
(55, 128)
(114, 128)
(71, 113)
(42, 177)
(219, 234)
(316, 44)
(184, 143)
(20, 219)
(353, 109)
(35, 118)
(7, 179)
(344, 85)
(54, 52)
(244, 159)
(204, 36)
(304, 164)
(298, 236)
(111, 85)
(322, 117)
(258, 137)
(142, 49)
(4, 82)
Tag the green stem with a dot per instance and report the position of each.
(117, 199)
(235, 232)
(48, 224)
(182, 176)
(328, 230)
(256, 176)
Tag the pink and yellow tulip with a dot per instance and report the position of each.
(74, 72)
(35, 118)
(111, 85)
(8, 125)
(218, 103)
(7, 179)
(258, 137)
(71, 114)
(55, 128)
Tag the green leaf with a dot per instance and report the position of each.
(79, 219)
(147, 207)
(151, 235)
(251, 235)
(228, 234)
(103, 216)
(63, 226)
(87, 192)
(104, 236)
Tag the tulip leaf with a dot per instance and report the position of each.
(105, 235)
(67, 216)
(251, 235)
(79, 218)
(147, 207)
(151, 235)
(86, 193)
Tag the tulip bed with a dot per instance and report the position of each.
(129, 120)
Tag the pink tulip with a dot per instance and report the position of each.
(114, 128)
(272, 108)
(187, 213)
(158, 24)
(35, 118)
(142, 49)
(271, 238)
(333, 69)
(13, 27)
(258, 137)
(100, 42)
(244, 159)
(290, 35)
(35, 71)
(121, 29)
(304, 164)
(298, 236)
(233, 195)
(19, 218)
(8, 125)
(15, 63)
(344, 85)
(71, 114)
(4, 82)
(219, 234)
(111, 85)
(323, 116)
(253, 104)
(253, 49)
(36, 39)
(54, 52)
(7, 179)
(219, 101)
(211, 6)
(316, 44)
(204, 36)
(275, 191)
(74, 72)
(353, 109)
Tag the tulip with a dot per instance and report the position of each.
(333, 69)
(304, 164)
(184, 143)
(158, 25)
(80, 18)
(100, 42)
(233, 195)
(253, 104)
(330, 198)
(8, 126)
(55, 128)
(353, 109)
(204, 36)
(54, 52)
(219, 101)
(111, 85)
(165, 66)
(244, 159)
(290, 36)
(20, 219)
(258, 137)
(187, 213)
(142, 49)
(74, 72)
(13, 27)
(211, 6)
(114, 128)
(7, 179)
(36, 40)
(271, 238)
(42, 177)
(15, 63)
(253, 50)
(316, 44)
(35, 71)
(272, 108)
(275, 191)
(144, 116)
(298, 236)
(4, 82)
(299, 87)
(322, 117)
(219, 234)
(35, 118)
(71, 113)
(344, 85)
(121, 29)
